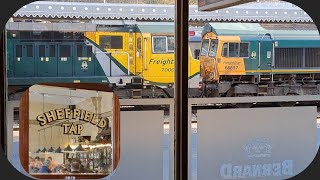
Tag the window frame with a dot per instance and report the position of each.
(248, 55)
(209, 49)
(18, 51)
(167, 49)
(139, 44)
(170, 51)
(202, 46)
(54, 52)
(109, 35)
(239, 50)
(63, 49)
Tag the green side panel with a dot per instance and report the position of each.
(23, 61)
(252, 62)
(36, 80)
(294, 34)
(266, 54)
(298, 43)
(98, 69)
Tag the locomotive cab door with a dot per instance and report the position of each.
(24, 60)
(84, 64)
(65, 60)
(265, 52)
(139, 54)
(46, 59)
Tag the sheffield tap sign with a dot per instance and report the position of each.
(210, 5)
(67, 113)
(69, 131)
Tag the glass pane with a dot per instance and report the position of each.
(159, 44)
(170, 43)
(79, 51)
(18, 51)
(29, 51)
(52, 51)
(42, 51)
(89, 51)
(139, 44)
(244, 49)
(225, 50)
(111, 42)
(64, 51)
(204, 48)
(213, 48)
(233, 49)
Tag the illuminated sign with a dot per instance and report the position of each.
(67, 113)
(210, 5)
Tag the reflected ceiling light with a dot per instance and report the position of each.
(67, 149)
(51, 149)
(44, 150)
(58, 150)
(79, 148)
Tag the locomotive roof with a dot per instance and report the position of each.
(258, 30)
(167, 28)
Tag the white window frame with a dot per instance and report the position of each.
(162, 52)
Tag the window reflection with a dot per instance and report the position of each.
(204, 48)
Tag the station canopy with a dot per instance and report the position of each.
(248, 12)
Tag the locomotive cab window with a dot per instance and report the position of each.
(18, 50)
(170, 41)
(111, 42)
(29, 51)
(204, 47)
(89, 51)
(42, 51)
(213, 48)
(139, 44)
(162, 44)
(235, 50)
(65, 51)
(52, 51)
(244, 49)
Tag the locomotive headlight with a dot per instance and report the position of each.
(14, 35)
(211, 75)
